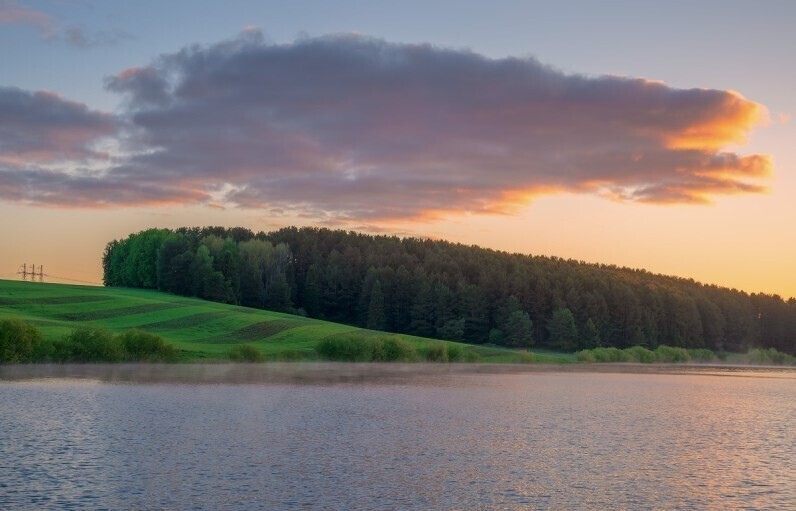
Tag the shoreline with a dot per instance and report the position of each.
(342, 373)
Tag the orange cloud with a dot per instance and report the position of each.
(728, 121)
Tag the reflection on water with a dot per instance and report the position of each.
(421, 437)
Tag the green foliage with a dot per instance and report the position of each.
(472, 357)
(435, 351)
(200, 330)
(670, 355)
(770, 356)
(146, 347)
(439, 289)
(456, 353)
(397, 350)
(563, 332)
(496, 336)
(589, 336)
(19, 341)
(702, 355)
(662, 354)
(452, 330)
(526, 357)
(609, 355)
(640, 354)
(89, 344)
(246, 353)
(519, 330)
(359, 348)
(376, 318)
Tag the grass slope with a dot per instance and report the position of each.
(202, 330)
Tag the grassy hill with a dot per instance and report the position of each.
(201, 330)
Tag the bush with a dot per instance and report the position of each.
(472, 356)
(455, 353)
(640, 354)
(702, 355)
(668, 354)
(144, 346)
(770, 356)
(526, 357)
(610, 355)
(585, 356)
(370, 348)
(89, 344)
(19, 341)
(346, 348)
(435, 351)
(246, 353)
(396, 349)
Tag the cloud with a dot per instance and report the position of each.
(13, 13)
(49, 28)
(40, 128)
(79, 38)
(360, 129)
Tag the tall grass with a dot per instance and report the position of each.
(670, 355)
(354, 347)
(246, 353)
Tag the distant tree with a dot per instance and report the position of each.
(312, 292)
(452, 330)
(563, 332)
(589, 336)
(376, 317)
(422, 314)
(174, 258)
(519, 330)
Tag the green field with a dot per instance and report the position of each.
(201, 330)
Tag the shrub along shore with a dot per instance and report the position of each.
(21, 342)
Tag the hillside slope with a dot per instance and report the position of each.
(202, 330)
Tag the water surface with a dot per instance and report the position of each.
(421, 437)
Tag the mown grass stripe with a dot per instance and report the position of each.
(260, 330)
(186, 322)
(63, 300)
(119, 311)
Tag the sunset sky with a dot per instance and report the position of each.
(657, 136)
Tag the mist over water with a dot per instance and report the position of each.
(329, 436)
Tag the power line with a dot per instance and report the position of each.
(73, 280)
(34, 274)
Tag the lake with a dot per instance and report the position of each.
(326, 436)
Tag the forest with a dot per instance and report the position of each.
(448, 291)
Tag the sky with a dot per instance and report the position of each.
(656, 136)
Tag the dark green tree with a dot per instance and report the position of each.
(376, 318)
(563, 331)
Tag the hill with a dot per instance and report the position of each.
(200, 329)
(437, 289)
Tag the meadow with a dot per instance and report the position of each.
(207, 331)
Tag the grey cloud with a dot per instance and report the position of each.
(355, 127)
(43, 127)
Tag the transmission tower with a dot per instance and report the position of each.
(32, 273)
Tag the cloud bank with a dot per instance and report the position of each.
(354, 127)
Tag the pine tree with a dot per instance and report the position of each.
(376, 317)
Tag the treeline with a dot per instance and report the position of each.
(449, 291)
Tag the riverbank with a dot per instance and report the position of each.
(333, 372)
